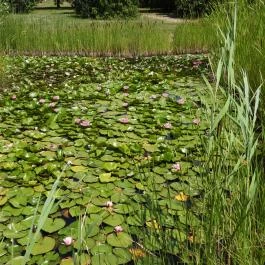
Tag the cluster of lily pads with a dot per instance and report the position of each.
(130, 133)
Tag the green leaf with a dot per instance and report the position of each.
(121, 240)
(150, 148)
(53, 225)
(110, 166)
(114, 220)
(106, 177)
(45, 245)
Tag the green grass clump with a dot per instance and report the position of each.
(36, 34)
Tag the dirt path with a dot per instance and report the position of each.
(168, 18)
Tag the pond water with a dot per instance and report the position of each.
(123, 136)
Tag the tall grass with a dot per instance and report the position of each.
(232, 213)
(233, 179)
(195, 37)
(36, 34)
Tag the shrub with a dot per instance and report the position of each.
(21, 6)
(194, 8)
(106, 8)
(4, 9)
(161, 4)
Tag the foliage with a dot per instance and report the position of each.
(61, 35)
(106, 9)
(21, 6)
(4, 9)
(168, 5)
(194, 8)
(40, 133)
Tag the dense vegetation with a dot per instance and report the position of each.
(133, 160)
(106, 9)
(116, 121)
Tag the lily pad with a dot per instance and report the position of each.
(45, 245)
(121, 240)
(106, 177)
(53, 225)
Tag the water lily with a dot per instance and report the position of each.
(167, 125)
(52, 104)
(165, 95)
(77, 120)
(125, 94)
(126, 88)
(13, 97)
(176, 167)
(125, 104)
(196, 121)
(124, 120)
(153, 97)
(197, 63)
(109, 204)
(55, 98)
(56, 110)
(68, 241)
(181, 101)
(85, 123)
(42, 101)
(118, 229)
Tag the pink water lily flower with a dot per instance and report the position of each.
(165, 95)
(118, 229)
(85, 123)
(153, 97)
(196, 121)
(77, 120)
(168, 125)
(125, 104)
(126, 88)
(55, 98)
(181, 101)
(68, 241)
(176, 167)
(42, 101)
(13, 97)
(52, 104)
(109, 204)
(124, 120)
(125, 94)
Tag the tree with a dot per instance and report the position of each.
(21, 6)
(106, 8)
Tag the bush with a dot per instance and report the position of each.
(106, 8)
(4, 9)
(21, 6)
(161, 4)
(193, 8)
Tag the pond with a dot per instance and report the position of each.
(123, 139)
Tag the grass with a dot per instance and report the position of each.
(61, 36)
(232, 230)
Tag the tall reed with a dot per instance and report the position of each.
(233, 179)
(36, 34)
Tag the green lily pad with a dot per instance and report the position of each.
(150, 148)
(121, 240)
(110, 166)
(114, 220)
(17, 261)
(79, 169)
(106, 177)
(45, 245)
(8, 165)
(53, 225)
(123, 255)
